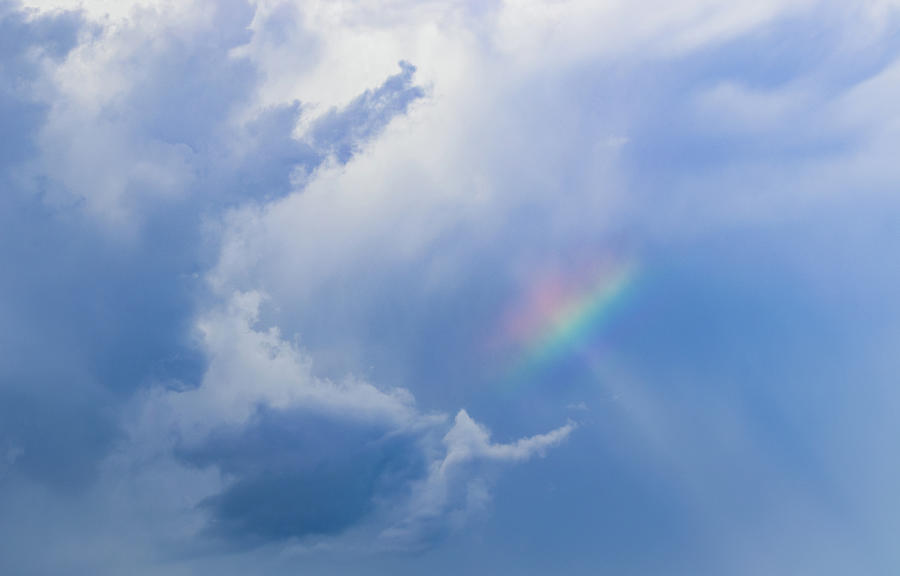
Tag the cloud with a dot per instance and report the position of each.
(254, 266)
(468, 440)
(455, 485)
(113, 163)
(307, 456)
(117, 221)
(728, 135)
(297, 472)
(182, 130)
(340, 132)
(168, 138)
(30, 45)
(34, 251)
(249, 368)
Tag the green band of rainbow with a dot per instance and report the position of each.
(572, 322)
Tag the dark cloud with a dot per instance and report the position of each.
(341, 131)
(39, 367)
(89, 317)
(293, 473)
(24, 43)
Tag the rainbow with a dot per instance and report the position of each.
(560, 315)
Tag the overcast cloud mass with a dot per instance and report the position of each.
(449, 287)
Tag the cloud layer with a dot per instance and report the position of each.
(258, 255)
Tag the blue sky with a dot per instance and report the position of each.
(449, 287)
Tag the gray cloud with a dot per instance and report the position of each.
(340, 131)
(735, 415)
(297, 473)
(306, 456)
(113, 306)
(112, 236)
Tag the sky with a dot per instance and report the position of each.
(449, 287)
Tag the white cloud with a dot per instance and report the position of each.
(451, 489)
(251, 368)
(468, 441)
